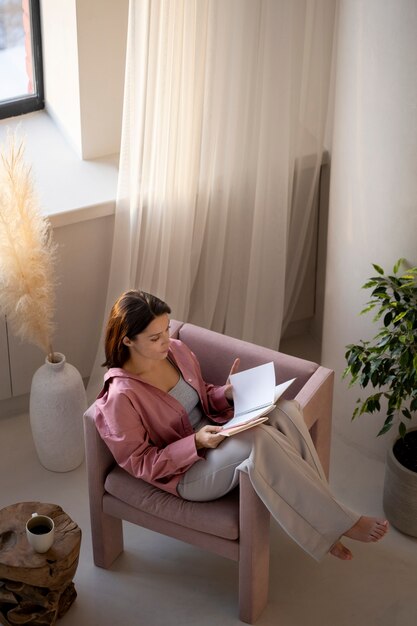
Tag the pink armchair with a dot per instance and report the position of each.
(235, 526)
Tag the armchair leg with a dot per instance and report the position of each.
(107, 539)
(254, 553)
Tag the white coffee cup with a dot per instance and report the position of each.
(40, 530)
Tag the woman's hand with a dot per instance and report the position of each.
(228, 390)
(208, 437)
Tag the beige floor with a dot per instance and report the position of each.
(162, 582)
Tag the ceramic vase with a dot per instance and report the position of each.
(57, 403)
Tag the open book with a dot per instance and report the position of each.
(254, 394)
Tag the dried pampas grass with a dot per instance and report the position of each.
(27, 252)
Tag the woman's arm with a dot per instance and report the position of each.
(121, 427)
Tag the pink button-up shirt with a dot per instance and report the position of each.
(147, 430)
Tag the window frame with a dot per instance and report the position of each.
(36, 101)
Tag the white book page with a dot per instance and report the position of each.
(237, 420)
(253, 389)
(279, 389)
(249, 416)
(229, 432)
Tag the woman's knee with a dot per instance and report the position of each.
(287, 410)
(238, 446)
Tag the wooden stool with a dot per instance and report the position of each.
(36, 588)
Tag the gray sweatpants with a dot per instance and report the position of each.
(286, 473)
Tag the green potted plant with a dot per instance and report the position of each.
(387, 365)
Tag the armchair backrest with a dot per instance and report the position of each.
(216, 353)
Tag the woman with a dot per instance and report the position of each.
(163, 424)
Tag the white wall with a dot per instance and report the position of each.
(60, 60)
(373, 194)
(84, 48)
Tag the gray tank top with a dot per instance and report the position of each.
(188, 397)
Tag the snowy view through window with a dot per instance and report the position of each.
(15, 54)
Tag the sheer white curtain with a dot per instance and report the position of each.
(224, 99)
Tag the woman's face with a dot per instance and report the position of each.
(153, 342)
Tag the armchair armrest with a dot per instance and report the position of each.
(316, 400)
(99, 461)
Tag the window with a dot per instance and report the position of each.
(21, 80)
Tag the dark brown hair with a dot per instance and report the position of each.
(132, 312)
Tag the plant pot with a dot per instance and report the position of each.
(400, 495)
(57, 403)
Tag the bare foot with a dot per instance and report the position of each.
(341, 552)
(368, 529)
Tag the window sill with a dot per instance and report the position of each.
(70, 190)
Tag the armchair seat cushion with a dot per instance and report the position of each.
(221, 520)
